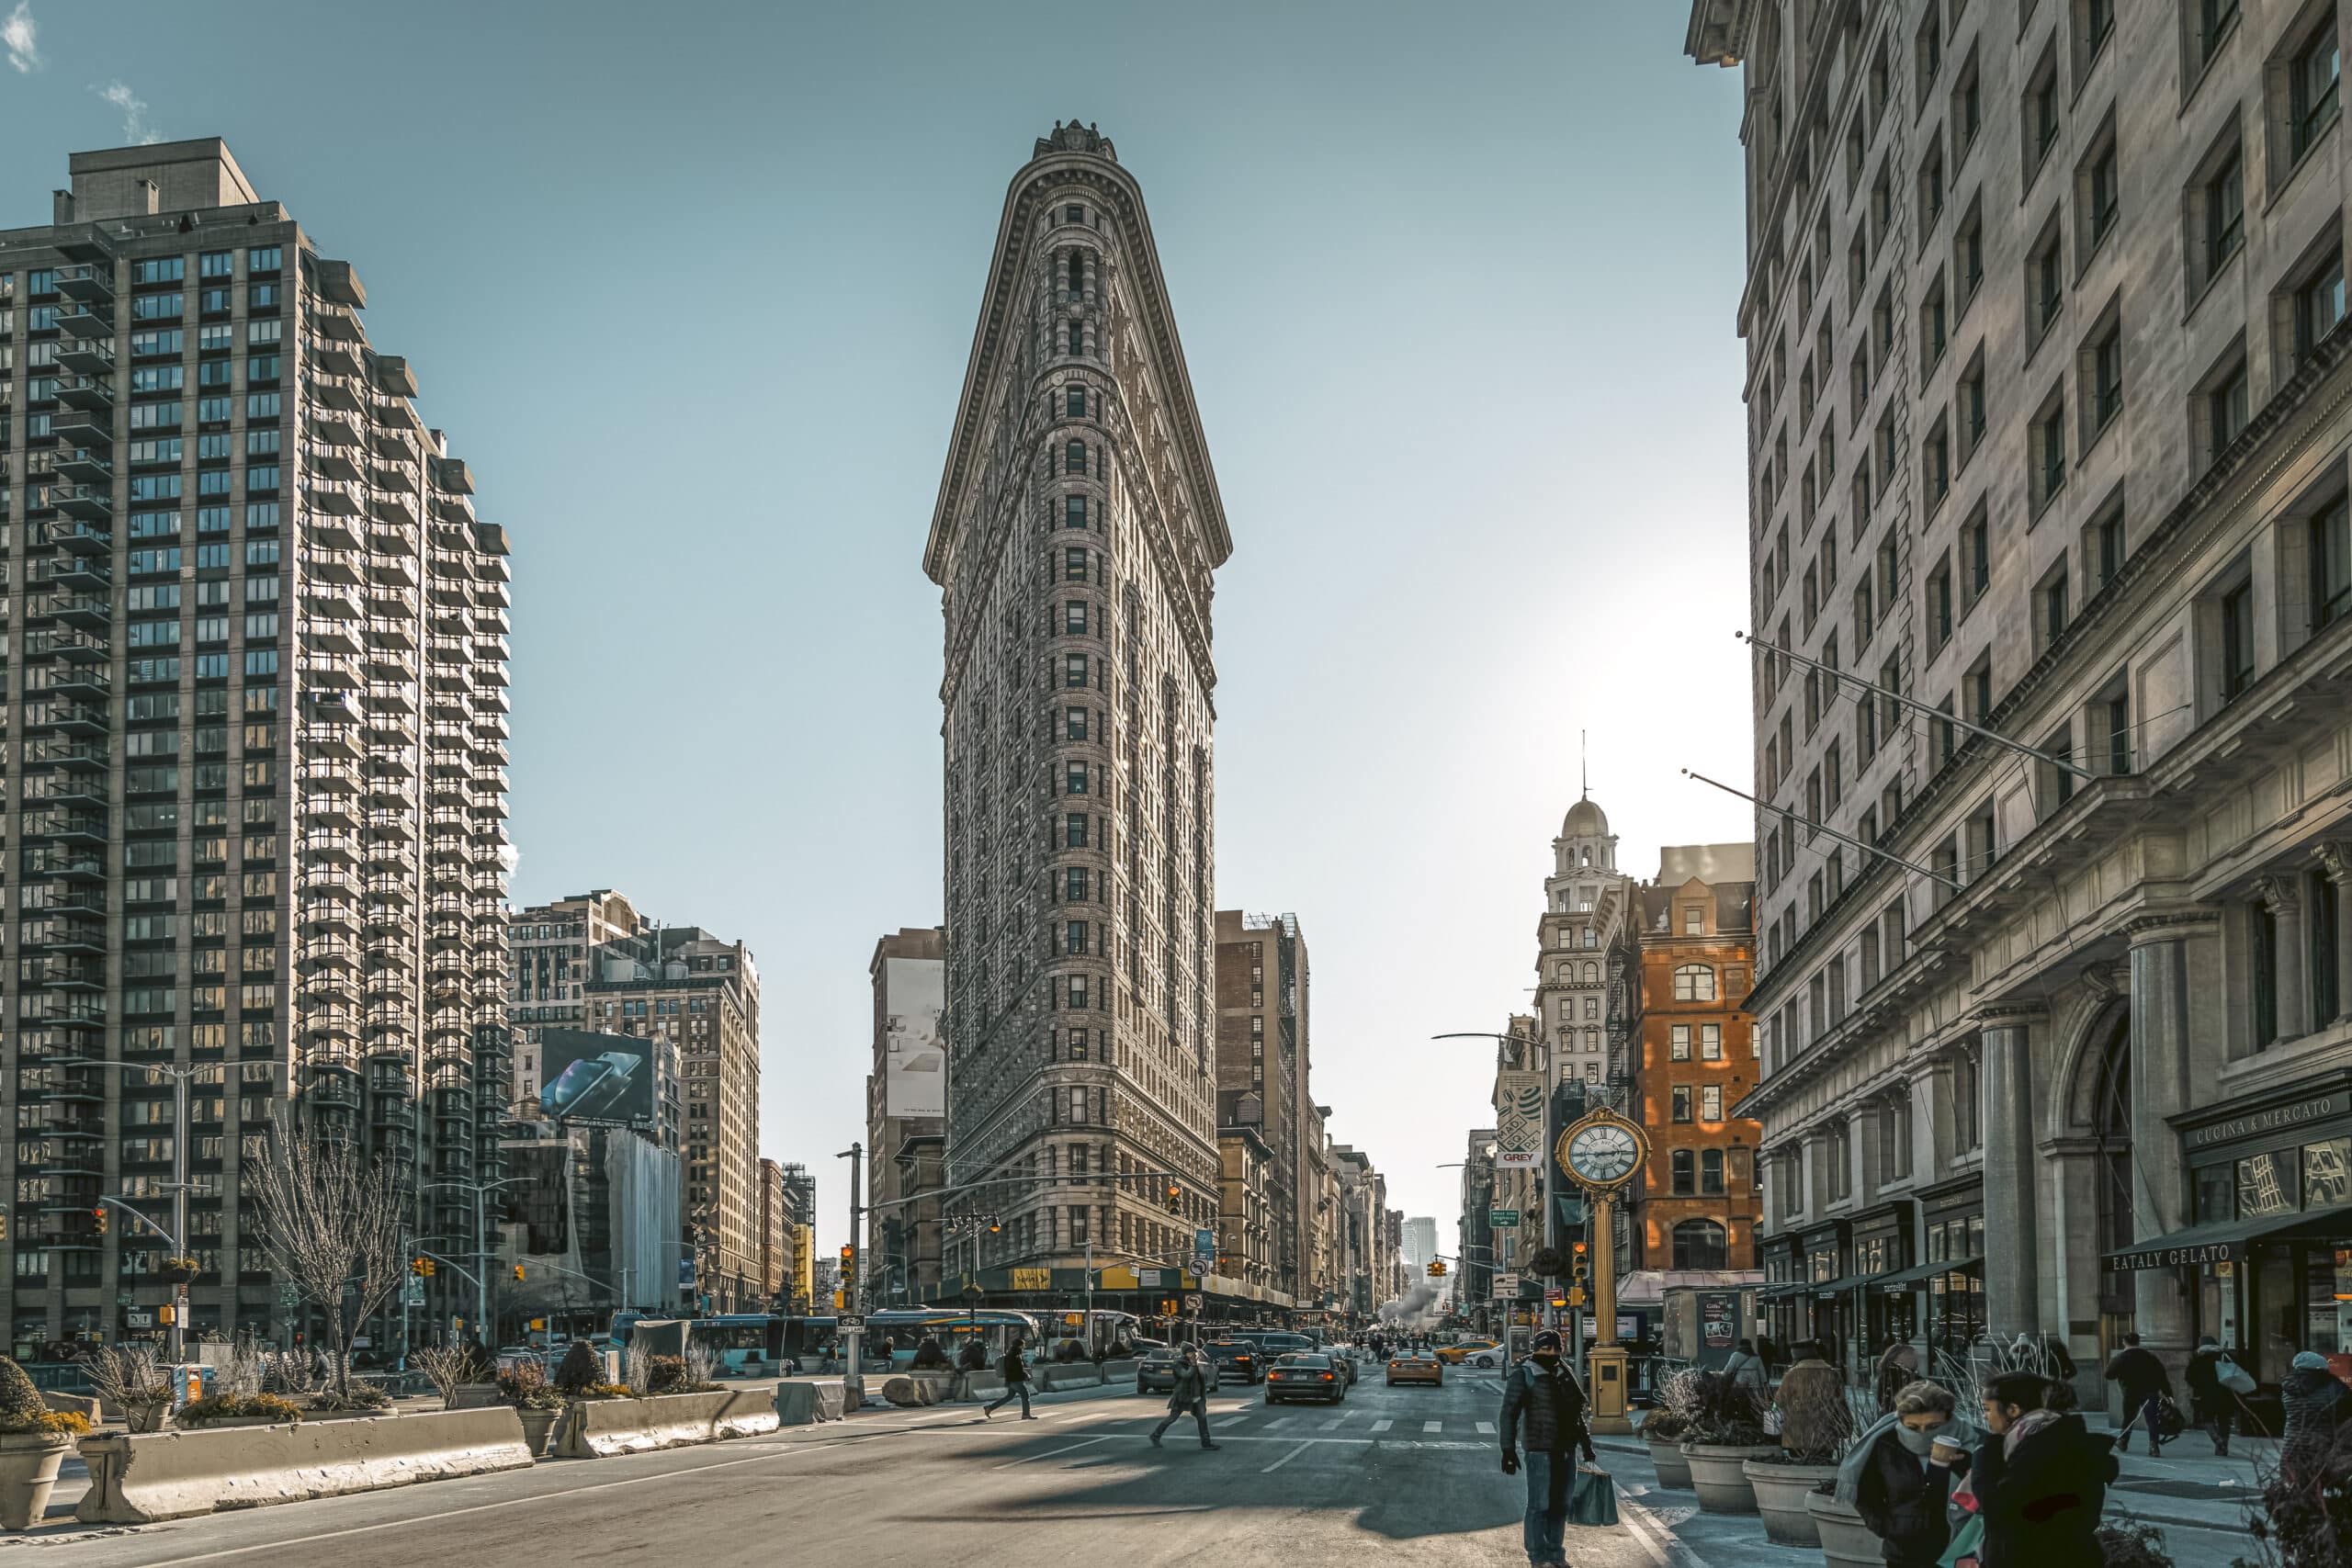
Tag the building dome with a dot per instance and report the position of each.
(1585, 820)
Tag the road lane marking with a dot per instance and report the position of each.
(1232, 1421)
(1433, 1425)
(1382, 1426)
(1057, 1453)
(1332, 1425)
(1487, 1427)
(1286, 1458)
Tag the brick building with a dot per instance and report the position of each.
(1698, 1206)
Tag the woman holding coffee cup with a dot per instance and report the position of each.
(1905, 1477)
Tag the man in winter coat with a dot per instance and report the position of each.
(1188, 1391)
(1542, 1402)
(2041, 1479)
(1017, 1381)
(2215, 1407)
(2145, 1382)
(2316, 1404)
(1812, 1397)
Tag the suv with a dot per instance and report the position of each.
(1238, 1359)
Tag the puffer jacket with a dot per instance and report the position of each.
(1902, 1502)
(2317, 1403)
(1543, 1408)
(1189, 1386)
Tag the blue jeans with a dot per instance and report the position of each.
(1006, 1398)
(1549, 1477)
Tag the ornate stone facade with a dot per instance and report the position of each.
(1076, 529)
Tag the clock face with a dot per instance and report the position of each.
(1604, 1155)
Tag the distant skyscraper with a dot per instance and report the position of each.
(1420, 1241)
(256, 774)
(1077, 527)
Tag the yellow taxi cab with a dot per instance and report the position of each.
(1416, 1366)
(1472, 1352)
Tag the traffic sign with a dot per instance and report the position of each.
(1204, 1243)
(411, 1292)
(1503, 1219)
(848, 1321)
(289, 1296)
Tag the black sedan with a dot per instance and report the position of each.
(1156, 1373)
(1303, 1376)
(1238, 1359)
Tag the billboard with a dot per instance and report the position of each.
(914, 1064)
(1519, 1121)
(595, 1078)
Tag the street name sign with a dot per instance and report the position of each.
(1503, 1219)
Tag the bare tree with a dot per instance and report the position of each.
(331, 1219)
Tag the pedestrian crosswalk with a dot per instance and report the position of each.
(1345, 1423)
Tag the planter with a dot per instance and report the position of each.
(536, 1424)
(147, 1415)
(224, 1423)
(1718, 1475)
(1673, 1469)
(28, 1473)
(1846, 1542)
(1782, 1491)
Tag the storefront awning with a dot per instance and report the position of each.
(1785, 1288)
(1839, 1287)
(2226, 1241)
(1921, 1273)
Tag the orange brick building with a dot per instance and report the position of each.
(1700, 1207)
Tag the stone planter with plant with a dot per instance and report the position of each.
(33, 1440)
(537, 1402)
(1667, 1424)
(1727, 1430)
(129, 1379)
(362, 1400)
(238, 1410)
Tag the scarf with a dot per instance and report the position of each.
(1956, 1429)
(2025, 1427)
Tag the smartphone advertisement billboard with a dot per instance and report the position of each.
(595, 1080)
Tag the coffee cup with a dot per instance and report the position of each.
(1945, 1452)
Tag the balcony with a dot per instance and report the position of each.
(83, 320)
(64, 973)
(89, 503)
(95, 393)
(83, 466)
(82, 827)
(89, 356)
(81, 539)
(79, 427)
(65, 936)
(76, 718)
(82, 573)
(89, 283)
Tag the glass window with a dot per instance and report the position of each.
(1694, 983)
(2268, 1184)
(2311, 86)
(1682, 1102)
(1679, 1042)
(1711, 1102)
(2328, 1173)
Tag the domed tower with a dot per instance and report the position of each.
(1586, 900)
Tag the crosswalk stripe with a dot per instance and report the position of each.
(1057, 1453)
(1382, 1426)
(1233, 1421)
(1487, 1427)
(1332, 1425)
(1433, 1425)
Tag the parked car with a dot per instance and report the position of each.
(1156, 1373)
(1300, 1375)
(1416, 1366)
(1239, 1358)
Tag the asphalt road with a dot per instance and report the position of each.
(1297, 1484)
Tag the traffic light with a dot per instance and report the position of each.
(518, 1273)
(1437, 1269)
(99, 1214)
(1175, 1198)
(995, 1224)
(1581, 1262)
(847, 1250)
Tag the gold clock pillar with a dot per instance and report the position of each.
(1603, 1154)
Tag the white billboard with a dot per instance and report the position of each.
(914, 1064)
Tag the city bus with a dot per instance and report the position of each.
(904, 1330)
(737, 1342)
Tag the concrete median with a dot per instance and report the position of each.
(139, 1479)
(1052, 1379)
(599, 1429)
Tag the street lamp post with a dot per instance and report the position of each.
(482, 1324)
(175, 1343)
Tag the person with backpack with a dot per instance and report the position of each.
(2212, 1399)
(2144, 1383)
(1017, 1381)
(1543, 1402)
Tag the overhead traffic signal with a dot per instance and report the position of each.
(518, 1273)
(421, 1267)
(1437, 1268)
(1175, 1198)
(99, 1214)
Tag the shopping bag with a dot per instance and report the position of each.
(2231, 1376)
(1966, 1542)
(2170, 1422)
(1592, 1498)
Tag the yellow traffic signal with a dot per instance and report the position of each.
(518, 1273)
(99, 1214)
(1175, 1198)
(416, 1265)
(1437, 1269)
(846, 1251)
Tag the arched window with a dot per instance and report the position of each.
(1694, 983)
(1699, 1244)
(1592, 973)
(1585, 858)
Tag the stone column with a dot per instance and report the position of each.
(2285, 897)
(2335, 860)
(2163, 1082)
(2014, 1254)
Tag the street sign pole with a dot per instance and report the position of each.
(854, 1369)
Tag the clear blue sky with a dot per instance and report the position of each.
(692, 286)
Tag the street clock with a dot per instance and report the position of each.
(1602, 1152)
